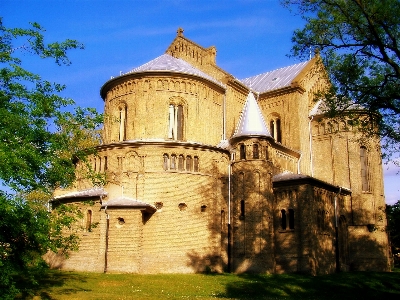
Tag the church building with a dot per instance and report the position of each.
(208, 172)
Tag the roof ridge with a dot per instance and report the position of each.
(167, 62)
(274, 70)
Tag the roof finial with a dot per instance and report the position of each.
(180, 31)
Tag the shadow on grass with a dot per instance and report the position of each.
(355, 285)
(48, 280)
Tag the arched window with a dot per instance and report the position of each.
(364, 168)
(272, 128)
(179, 123)
(275, 128)
(189, 163)
(256, 152)
(105, 163)
(278, 131)
(196, 164)
(242, 209)
(283, 219)
(175, 128)
(180, 162)
(122, 123)
(266, 153)
(242, 151)
(165, 162)
(173, 162)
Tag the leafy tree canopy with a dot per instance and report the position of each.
(359, 43)
(42, 136)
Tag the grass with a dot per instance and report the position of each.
(355, 285)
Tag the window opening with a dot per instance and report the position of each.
(105, 163)
(242, 209)
(180, 162)
(196, 164)
(179, 123)
(188, 163)
(158, 205)
(278, 131)
(283, 219)
(165, 164)
(242, 151)
(173, 162)
(256, 153)
(175, 128)
(122, 123)
(272, 128)
(364, 168)
(182, 206)
(275, 129)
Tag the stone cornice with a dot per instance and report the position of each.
(154, 74)
(161, 143)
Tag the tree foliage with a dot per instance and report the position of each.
(42, 136)
(40, 139)
(359, 43)
(393, 216)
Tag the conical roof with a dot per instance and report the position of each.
(251, 122)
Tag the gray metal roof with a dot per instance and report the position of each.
(251, 120)
(129, 202)
(318, 109)
(275, 79)
(169, 63)
(321, 108)
(224, 144)
(93, 192)
(288, 176)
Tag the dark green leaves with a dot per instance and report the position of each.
(359, 44)
(36, 149)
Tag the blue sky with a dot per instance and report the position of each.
(251, 37)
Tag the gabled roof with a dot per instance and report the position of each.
(251, 122)
(169, 63)
(275, 79)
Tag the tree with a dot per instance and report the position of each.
(393, 216)
(42, 136)
(359, 44)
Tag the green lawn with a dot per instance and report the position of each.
(356, 285)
